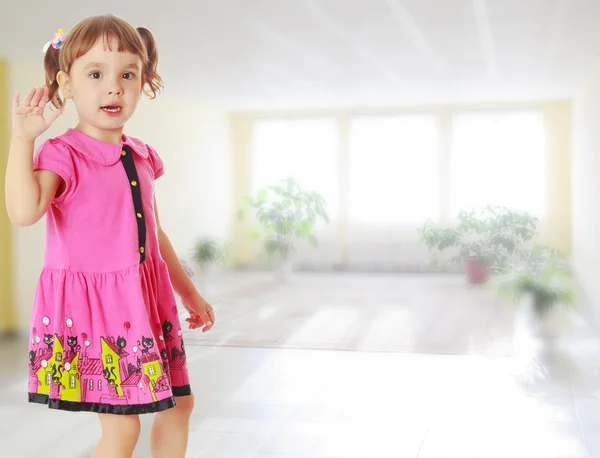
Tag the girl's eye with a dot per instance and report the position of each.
(128, 76)
(95, 75)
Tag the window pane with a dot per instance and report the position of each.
(498, 158)
(303, 148)
(393, 169)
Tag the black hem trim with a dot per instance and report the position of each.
(178, 391)
(135, 409)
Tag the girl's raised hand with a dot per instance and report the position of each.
(28, 115)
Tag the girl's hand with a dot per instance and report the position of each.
(28, 115)
(201, 312)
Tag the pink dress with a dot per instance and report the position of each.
(105, 333)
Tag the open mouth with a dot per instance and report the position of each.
(111, 109)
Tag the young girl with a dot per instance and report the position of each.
(105, 334)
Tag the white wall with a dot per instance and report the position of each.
(586, 189)
(194, 196)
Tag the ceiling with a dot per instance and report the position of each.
(335, 53)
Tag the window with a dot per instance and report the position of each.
(303, 148)
(151, 370)
(99, 385)
(59, 356)
(109, 359)
(394, 175)
(498, 158)
(72, 380)
(48, 378)
(91, 385)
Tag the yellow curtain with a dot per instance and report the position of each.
(7, 306)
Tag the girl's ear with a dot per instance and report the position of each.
(65, 84)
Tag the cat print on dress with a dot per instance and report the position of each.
(110, 376)
(105, 370)
(72, 343)
(57, 372)
(121, 344)
(147, 344)
(167, 327)
(49, 340)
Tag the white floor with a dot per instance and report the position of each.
(296, 403)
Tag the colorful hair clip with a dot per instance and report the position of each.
(56, 42)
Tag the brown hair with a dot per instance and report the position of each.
(85, 35)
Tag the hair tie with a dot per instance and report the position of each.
(56, 42)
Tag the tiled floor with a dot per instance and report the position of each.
(384, 312)
(308, 403)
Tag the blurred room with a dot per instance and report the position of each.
(366, 133)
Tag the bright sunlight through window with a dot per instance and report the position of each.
(303, 148)
(394, 176)
(498, 158)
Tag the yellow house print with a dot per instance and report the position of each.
(53, 369)
(71, 381)
(110, 362)
(152, 369)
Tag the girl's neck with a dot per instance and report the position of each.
(107, 136)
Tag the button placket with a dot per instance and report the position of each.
(128, 162)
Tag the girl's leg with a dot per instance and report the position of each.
(120, 433)
(170, 429)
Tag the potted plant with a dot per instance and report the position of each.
(207, 253)
(542, 284)
(481, 240)
(285, 213)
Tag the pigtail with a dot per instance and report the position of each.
(152, 81)
(51, 68)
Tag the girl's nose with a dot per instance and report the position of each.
(116, 88)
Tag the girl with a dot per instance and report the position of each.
(105, 334)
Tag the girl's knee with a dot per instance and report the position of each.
(183, 409)
(126, 427)
(185, 405)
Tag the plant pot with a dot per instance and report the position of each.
(204, 275)
(476, 272)
(283, 269)
(549, 327)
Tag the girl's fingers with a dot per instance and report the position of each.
(44, 98)
(16, 100)
(35, 100)
(28, 97)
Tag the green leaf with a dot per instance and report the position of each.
(313, 241)
(278, 189)
(262, 195)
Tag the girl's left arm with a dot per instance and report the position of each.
(201, 312)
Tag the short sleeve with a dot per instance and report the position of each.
(157, 164)
(55, 156)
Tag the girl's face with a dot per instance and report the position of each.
(106, 87)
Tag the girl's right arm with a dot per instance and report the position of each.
(28, 193)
